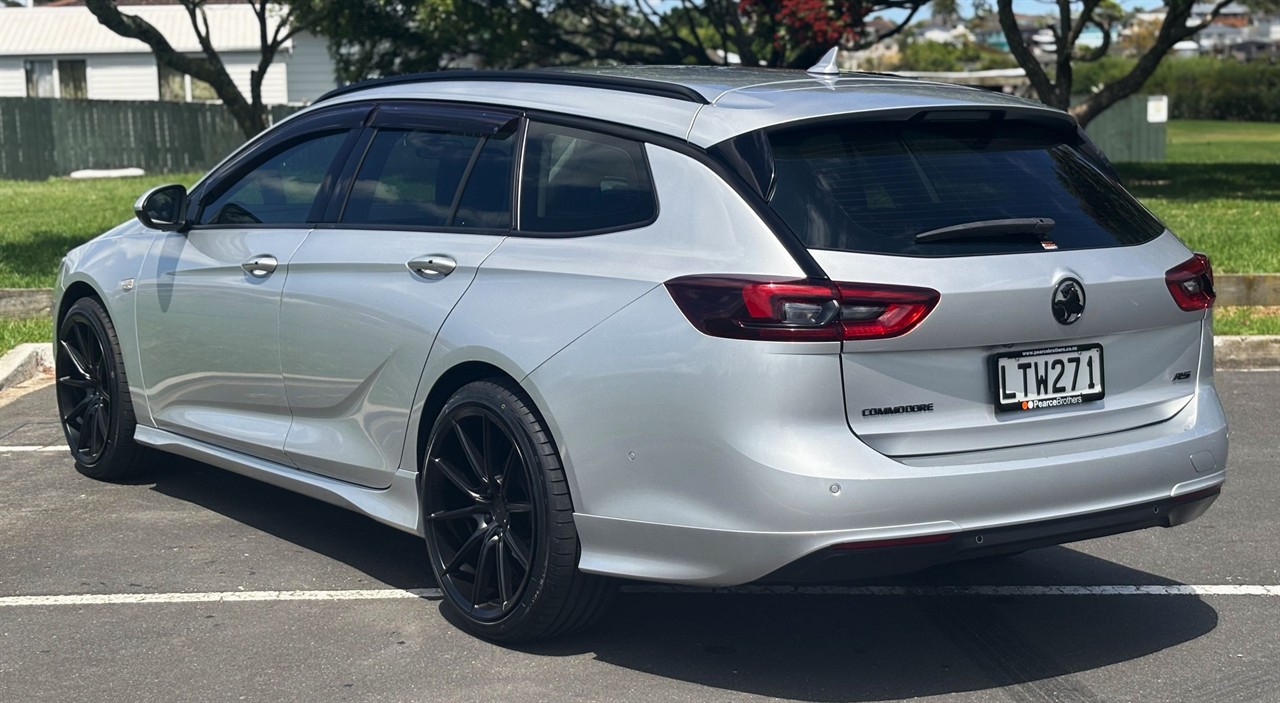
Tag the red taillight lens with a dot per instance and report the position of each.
(878, 312)
(808, 310)
(1191, 283)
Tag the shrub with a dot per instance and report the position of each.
(1200, 88)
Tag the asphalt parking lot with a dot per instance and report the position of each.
(196, 584)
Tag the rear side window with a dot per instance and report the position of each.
(412, 178)
(873, 187)
(577, 182)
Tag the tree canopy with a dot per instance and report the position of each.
(1055, 84)
(383, 37)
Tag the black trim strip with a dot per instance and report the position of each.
(641, 86)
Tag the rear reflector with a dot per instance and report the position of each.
(806, 310)
(899, 542)
(1191, 283)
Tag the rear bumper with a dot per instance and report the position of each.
(1157, 476)
(852, 561)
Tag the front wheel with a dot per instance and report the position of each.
(93, 394)
(498, 520)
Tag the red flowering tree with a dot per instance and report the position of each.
(798, 32)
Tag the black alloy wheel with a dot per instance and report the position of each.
(93, 397)
(480, 514)
(498, 520)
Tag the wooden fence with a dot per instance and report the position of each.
(43, 137)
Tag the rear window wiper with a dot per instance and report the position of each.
(1013, 226)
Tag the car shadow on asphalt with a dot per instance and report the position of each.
(386, 554)
(870, 648)
(813, 647)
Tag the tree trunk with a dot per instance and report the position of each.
(1056, 92)
(251, 118)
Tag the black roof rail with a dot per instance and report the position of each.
(644, 86)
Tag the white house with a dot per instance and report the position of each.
(64, 52)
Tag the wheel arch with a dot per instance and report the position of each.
(445, 386)
(74, 292)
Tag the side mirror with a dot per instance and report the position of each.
(163, 208)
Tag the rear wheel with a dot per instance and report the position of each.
(93, 394)
(498, 520)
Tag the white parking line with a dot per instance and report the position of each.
(434, 593)
(219, 597)
(49, 448)
(1116, 590)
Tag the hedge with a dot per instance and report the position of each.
(1200, 88)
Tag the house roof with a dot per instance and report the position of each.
(75, 31)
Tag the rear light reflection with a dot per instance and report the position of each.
(807, 310)
(1191, 283)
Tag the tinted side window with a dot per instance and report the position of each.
(410, 177)
(578, 181)
(281, 189)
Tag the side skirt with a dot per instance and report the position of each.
(396, 505)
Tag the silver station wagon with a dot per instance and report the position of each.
(688, 325)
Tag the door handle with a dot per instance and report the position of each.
(433, 267)
(260, 266)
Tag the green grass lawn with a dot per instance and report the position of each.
(1219, 191)
(15, 332)
(41, 220)
(1246, 320)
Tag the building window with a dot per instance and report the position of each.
(72, 80)
(40, 79)
(178, 87)
(65, 78)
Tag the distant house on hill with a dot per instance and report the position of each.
(63, 52)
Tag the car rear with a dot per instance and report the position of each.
(994, 347)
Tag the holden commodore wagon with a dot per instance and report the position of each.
(687, 325)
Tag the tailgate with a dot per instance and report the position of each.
(935, 390)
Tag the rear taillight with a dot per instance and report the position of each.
(807, 310)
(1191, 283)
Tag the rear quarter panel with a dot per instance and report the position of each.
(534, 296)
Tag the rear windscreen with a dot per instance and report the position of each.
(874, 187)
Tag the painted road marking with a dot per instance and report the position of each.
(1115, 590)
(220, 597)
(434, 593)
(49, 448)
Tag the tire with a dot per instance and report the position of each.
(499, 531)
(94, 406)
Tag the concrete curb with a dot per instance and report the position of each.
(1246, 352)
(1230, 353)
(26, 302)
(24, 362)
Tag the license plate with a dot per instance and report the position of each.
(1048, 378)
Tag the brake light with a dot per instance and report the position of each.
(806, 310)
(1191, 283)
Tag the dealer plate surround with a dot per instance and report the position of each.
(1052, 377)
